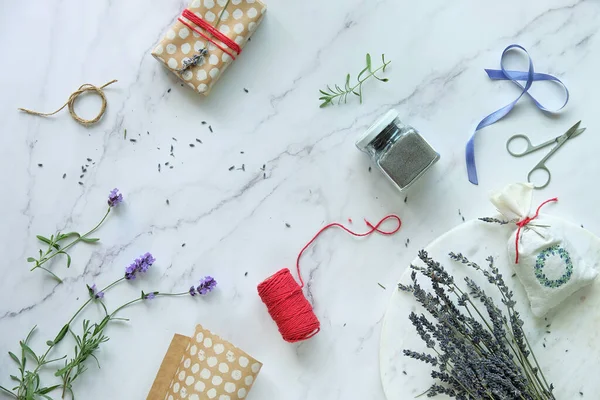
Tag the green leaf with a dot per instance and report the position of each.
(61, 334)
(325, 103)
(348, 81)
(48, 389)
(14, 357)
(14, 378)
(362, 72)
(66, 235)
(369, 62)
(68, 257)
(49, 342)
(30, 259)
(47, 241)
(28, 350)
(89, 240)
(324, 92)
(5, 390)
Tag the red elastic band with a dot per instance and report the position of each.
(207, 38)
(212, 30)
(373, 229)
(525, 222)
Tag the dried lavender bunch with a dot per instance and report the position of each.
(475, 354)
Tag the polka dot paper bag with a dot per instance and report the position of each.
(207, 37)
(204, 367)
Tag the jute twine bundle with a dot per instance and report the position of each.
(86, 87)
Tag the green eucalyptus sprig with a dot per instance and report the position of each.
(341, 94)
(55, 247)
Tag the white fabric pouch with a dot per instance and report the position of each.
(547, 265)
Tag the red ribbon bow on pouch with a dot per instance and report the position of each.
(525, 222)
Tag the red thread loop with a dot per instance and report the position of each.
(525, 222)
(212, 30)
(284, 299)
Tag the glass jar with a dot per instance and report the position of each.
(398, 150)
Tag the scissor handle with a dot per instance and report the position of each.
(540, 167)
(528, 150)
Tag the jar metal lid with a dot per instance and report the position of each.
(375, 129)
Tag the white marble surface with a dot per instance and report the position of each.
(233, 222)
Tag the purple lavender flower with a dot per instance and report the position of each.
(150, 296)
(207, 284)
(95, 293)
(193, 291)
(140, 264)
(114, 197)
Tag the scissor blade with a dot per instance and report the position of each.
(567, 135)
(578, 132)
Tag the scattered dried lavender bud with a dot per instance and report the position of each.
(132, 140)
(232, 168)
(264, 166)
(198, 140)
(192, 145)
(404, 372)
(544, 344)
(548, 326)
(203, 122)
(167, 163)
(158, 167)
(89, 159)
(244, 167)
(287, 225)
(405, 199)
(182, 244)
(171, 148)
(548, 332)
(174, 139)
(148, 132)
(81, 183)
(246, 274)
(80, 176)
(264, 176)
(168, 202)
(463, 218)
(169, 90)
(210, 128)
(64, 176)
(125, 134)
(241, 152)
(370, 169)
(40, 165)
(170, 167)
(245, 90)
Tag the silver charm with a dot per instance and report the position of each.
(197, 59)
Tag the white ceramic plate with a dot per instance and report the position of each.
(568, 350)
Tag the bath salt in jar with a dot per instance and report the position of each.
(398, 150)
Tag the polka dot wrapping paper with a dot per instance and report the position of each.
(204, 367)
(186, 39)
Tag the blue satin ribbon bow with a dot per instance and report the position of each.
(514, 76)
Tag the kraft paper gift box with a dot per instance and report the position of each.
(197, 51)
(204, 366)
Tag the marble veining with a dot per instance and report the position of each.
(234, 222)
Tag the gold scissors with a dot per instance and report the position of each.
(559, 140)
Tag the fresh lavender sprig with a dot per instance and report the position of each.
(54, 241)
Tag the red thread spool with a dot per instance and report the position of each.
(285, 301)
